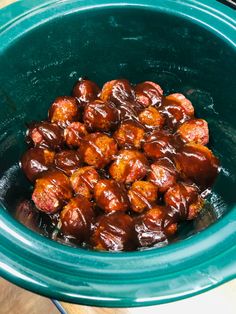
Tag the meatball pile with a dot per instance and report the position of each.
(121, 167)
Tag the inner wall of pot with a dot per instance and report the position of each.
(103, 44)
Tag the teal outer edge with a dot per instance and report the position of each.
(180, 270)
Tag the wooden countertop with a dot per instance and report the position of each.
(15, 300)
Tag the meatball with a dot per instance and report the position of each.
(114, 232)
(195, 207)
(117, 91)
(159, 144)
(142, 195)
(100, 116)
(74, 133)
(183, 201)
(129, 110)
(129, 134)
(35, 161)
(194, 130)
(197, 163)
(98, 149)
(154, 227)
(182, 101)
(85, 91)
(77, 218)
(121, 94)
(67, 161)
(45, 134)
(129, 166)
(177, 109)
(163, 174)
(151, 118)
(51, 191)
(63, 111)
(148, 93)
(84, 180)
(111, 196)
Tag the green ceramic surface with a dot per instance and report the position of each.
(186, 46)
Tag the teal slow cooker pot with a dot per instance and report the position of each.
(185, 46)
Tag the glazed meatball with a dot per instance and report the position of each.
(77, 218)
(63, 111)
(197, 163)
(195, 207)
(194, 130)
(154, 227)
(148, 93)
(151, 118)
(51, 191)
(117, 91)
(114, 232)
(67, 161)
(142, 195)
(35, 161)
(98, 149)
(129, 166)
(100, 116)
(74, 133)
(177, 109)
(163, 174)
(84, 180)
(129, 111)
(45, 134)
(183, 201)
(159, 144)
(85, 91)
(182, 101)
(111, 196)
(129, 134)
(122, 95)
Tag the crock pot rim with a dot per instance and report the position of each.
(43, 245)
(224, 16)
